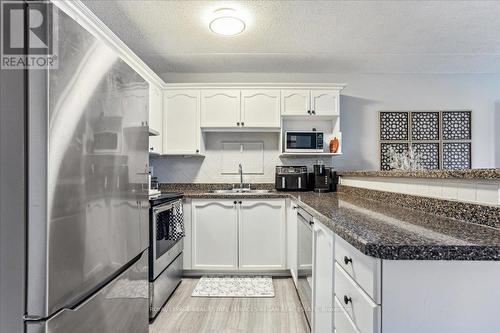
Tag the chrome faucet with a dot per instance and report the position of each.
(240, 169)
(242, 187)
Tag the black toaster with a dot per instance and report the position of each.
(291, 178)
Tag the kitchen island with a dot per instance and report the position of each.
(368, 258)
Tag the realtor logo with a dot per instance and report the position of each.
(29, 35)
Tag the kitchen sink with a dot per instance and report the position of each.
(240, 191)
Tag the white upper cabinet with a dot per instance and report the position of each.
(133, 99)
(220, 108)
(325, 102)
(308, 102)
(155, 119)
(182, 124)
(262, 234)
(295, 102)
(260, 108)
(214, 234)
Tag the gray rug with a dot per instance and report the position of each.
(234, 286)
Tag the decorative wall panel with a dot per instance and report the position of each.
(384, 153)
(456, 125)
(430, 154)
(442, 138)
(456, 155)
(393, 125)
(424, 126)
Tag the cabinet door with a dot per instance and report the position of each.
(135, 105)
(260, 108)
(295, 102)
(262, 234)
(155, 119)
(323, 274)
(325, 102)
(214, 235)
(220, 108)
(291, 238)
(182, 129)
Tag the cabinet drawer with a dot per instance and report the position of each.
(363, 269)
(364, 313)
(343, 324)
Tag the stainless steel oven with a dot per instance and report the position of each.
(305, 259)
(165, 248)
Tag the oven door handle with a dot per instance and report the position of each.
(164, 207)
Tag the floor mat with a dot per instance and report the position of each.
(234, 286)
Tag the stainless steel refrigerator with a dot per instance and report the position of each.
(74, 153)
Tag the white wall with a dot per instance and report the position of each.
(364, 96)
(180, 169)
(497, 126)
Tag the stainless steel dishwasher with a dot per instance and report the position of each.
(305, 259)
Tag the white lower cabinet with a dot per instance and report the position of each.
(363, 311)
(262, 234)
(343, 323)
(245, 234)
(363, 269)
(291, 241)
(214, 235)
(323, 275)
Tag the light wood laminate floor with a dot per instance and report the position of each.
(186, 314)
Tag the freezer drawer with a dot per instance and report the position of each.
(163, 286)
(120, 306)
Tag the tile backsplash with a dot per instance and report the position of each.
(211, 168)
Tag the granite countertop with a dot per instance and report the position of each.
(209, 195)
(384, 231)
(390, 232)
(441, 174)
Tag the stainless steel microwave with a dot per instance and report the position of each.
(304, 142)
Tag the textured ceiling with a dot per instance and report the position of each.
(312, 36)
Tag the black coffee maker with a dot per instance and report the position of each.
(322, 178)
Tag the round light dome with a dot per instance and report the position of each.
(226, 23)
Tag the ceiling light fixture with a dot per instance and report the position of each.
(226, 22)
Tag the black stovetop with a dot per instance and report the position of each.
(164, 197)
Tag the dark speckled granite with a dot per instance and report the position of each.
(381, 230)
(464, 211)
(202, 191)
(441, 174)
(200, 187)
(389, 232)
(208, 195)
